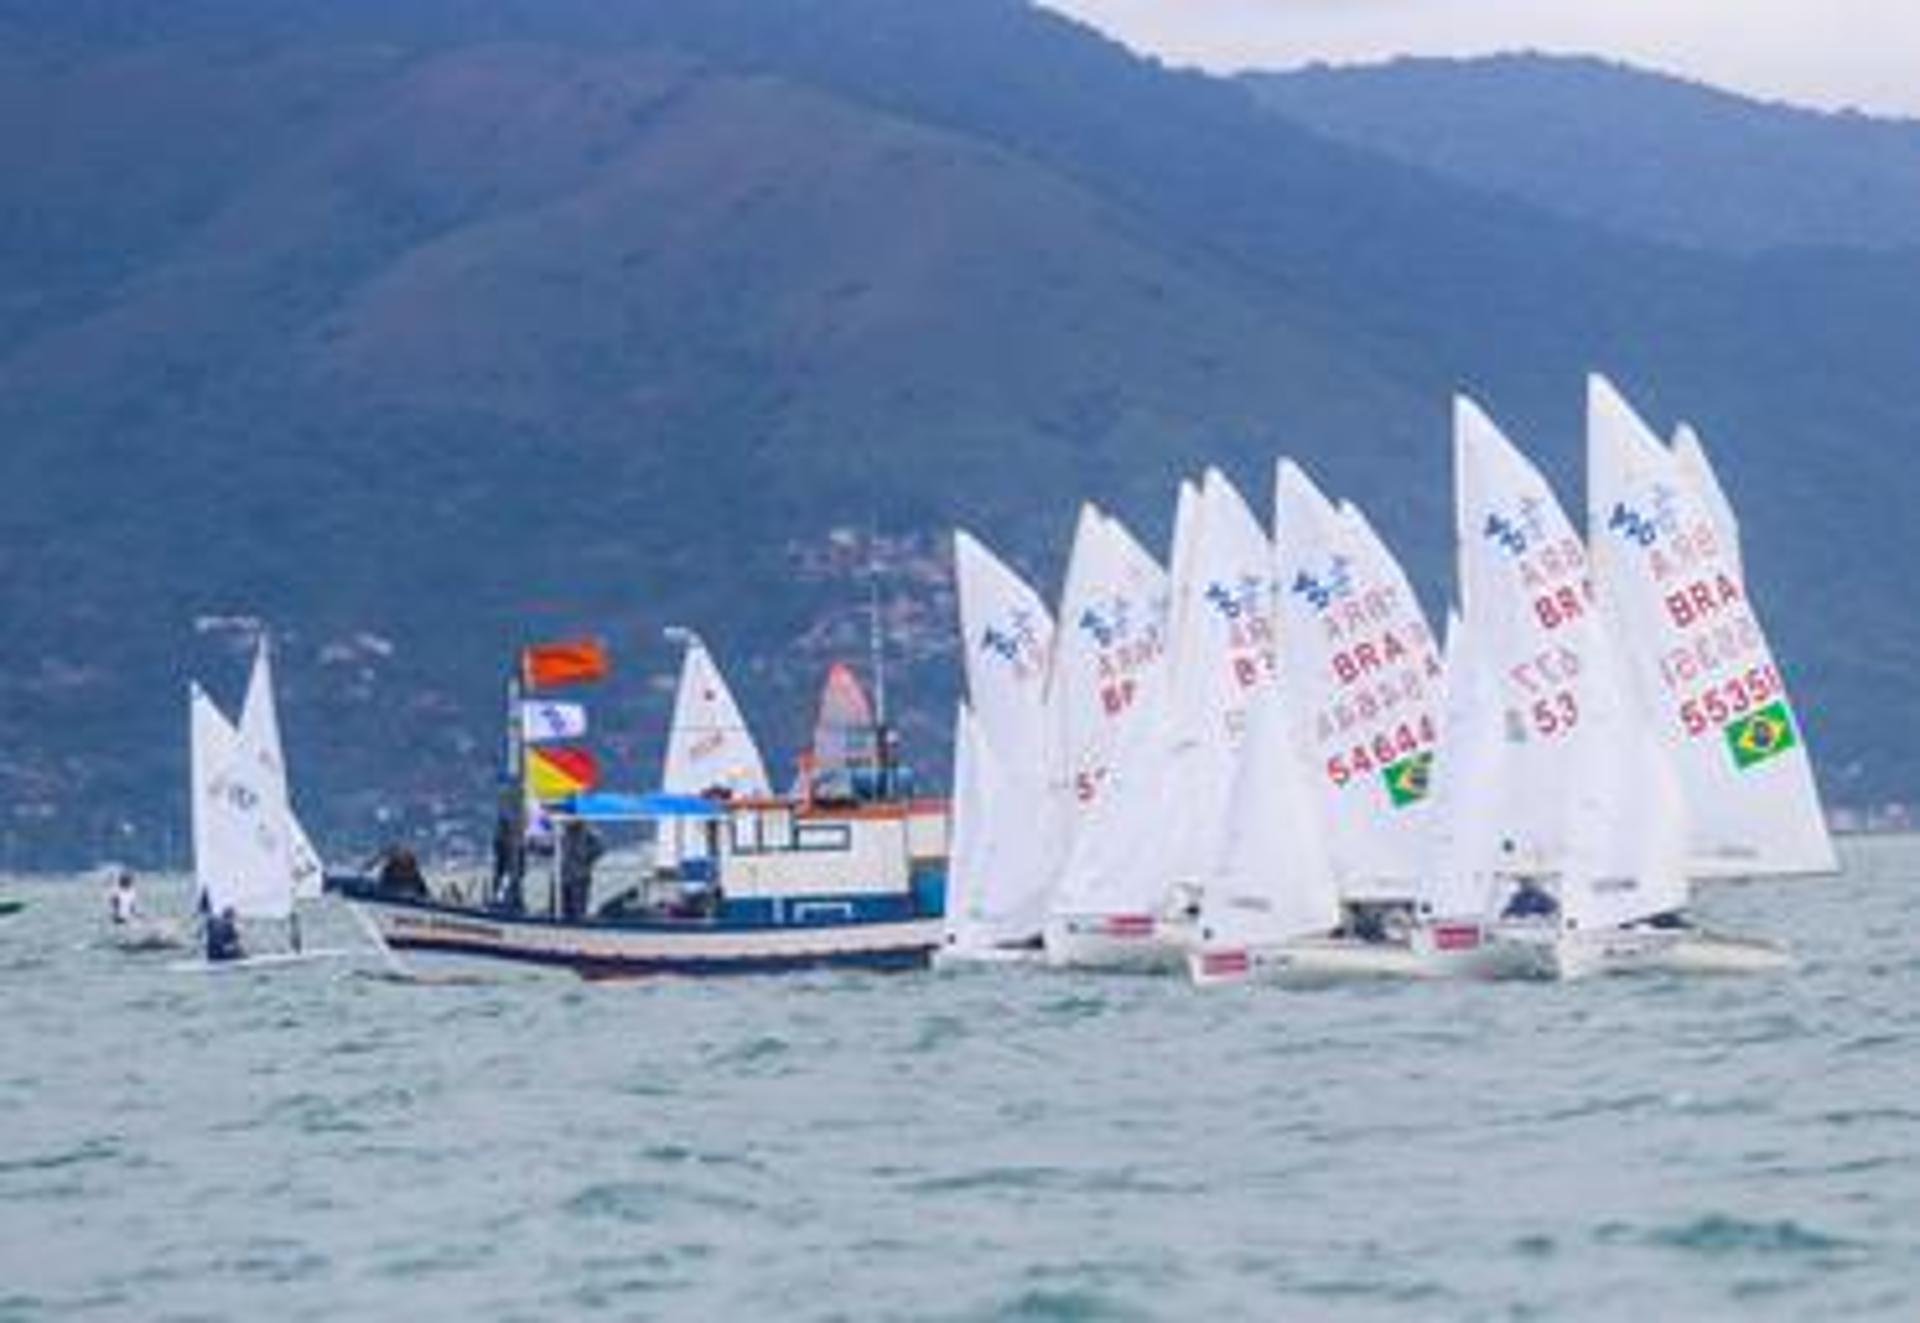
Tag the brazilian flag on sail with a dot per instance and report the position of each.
(1407, 779)
(1760, 735)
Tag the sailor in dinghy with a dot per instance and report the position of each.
(251, 858)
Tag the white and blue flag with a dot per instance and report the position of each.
(541, 719)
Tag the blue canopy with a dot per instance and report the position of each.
(608, 806)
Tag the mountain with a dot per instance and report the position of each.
(1641, 153)
(421, 328)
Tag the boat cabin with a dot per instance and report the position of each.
(661, 856)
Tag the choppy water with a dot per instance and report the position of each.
(308, 1143)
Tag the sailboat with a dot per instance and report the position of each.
(1360, 683)
(1591, 809)
(996, 899)
(1271, 899)
(1104, 695)
(1134, 903)
(250, 854)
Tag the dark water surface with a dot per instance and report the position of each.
(313, 1143)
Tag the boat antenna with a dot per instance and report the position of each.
(877, 653)
(877, 656)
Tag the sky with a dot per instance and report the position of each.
(1831, 54)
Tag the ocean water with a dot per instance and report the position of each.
(314, 1143)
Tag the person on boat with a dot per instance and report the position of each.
(1668, 921)
(1530, 900)
(509, 862)
(223, 937)
(580, 849)
(398, 873)
(122, 902)
(1368, 923)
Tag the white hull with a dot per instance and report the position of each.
(1120, 944)
(266, 960)
(960, 955)
(148, 935)
(1545, 951)
(1315, 962)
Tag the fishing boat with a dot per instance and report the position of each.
(845, 871)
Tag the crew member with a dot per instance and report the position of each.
(223, 937)
(122, 902)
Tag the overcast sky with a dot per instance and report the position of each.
(1827, 53)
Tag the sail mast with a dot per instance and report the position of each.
(877, 660)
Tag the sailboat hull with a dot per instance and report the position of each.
(1117, 943)
(1541, 951)
(1318, 962)
(147, 935)
(959, 954)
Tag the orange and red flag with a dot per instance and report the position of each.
(570, 661)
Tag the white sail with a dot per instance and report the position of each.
(1007, 641)
(309, 872)
(242, 859)
(1710, 687)
(210, 741)
(1114, 863)
(1363, 679)
(708, 745)
(1272, 878)
(1109, 650)
(1627, 835)
(1691, 456)
(970, 846)
(1158, 834)
(1571, 753)
(260, 733)
(1467, 797)
(1223, 657)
